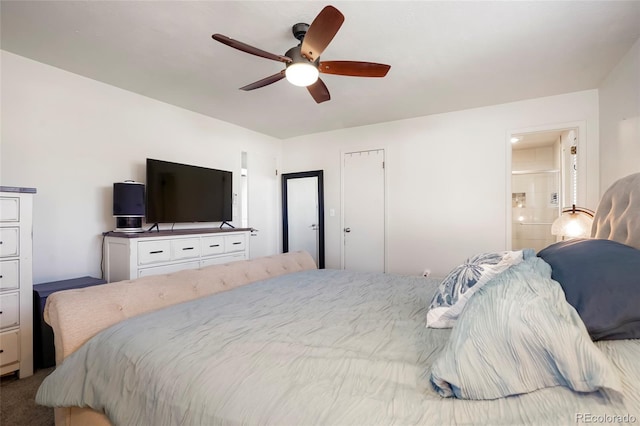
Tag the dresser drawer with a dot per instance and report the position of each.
(222, 259)
(9, 310)
(212, 245)
(8, 347)
(234, 243)
(185, 248)
(154, 251)
(168, 269)
(9, 209)
(9, 275)
(9, 238)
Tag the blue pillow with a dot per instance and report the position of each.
(601, 280)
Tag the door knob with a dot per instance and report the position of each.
(347, 229)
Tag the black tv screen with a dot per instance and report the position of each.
(185, 193)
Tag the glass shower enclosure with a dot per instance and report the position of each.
(535, 203)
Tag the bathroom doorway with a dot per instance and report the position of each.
(544, 179)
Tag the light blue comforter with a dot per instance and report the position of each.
(518, 334)
(318, 347)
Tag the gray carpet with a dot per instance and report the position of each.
(17, 404)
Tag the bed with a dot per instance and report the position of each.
(302, 346)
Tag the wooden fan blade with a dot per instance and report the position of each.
(354, 68)
(319, 91)
(264, 82)
(321, 32)
(249, 49)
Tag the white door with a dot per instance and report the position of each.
(263, 198)
(364, 211)
(302, 210)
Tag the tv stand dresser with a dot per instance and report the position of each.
(132, 255)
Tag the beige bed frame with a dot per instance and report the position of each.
(77, 315)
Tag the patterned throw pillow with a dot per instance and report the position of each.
(463, 281)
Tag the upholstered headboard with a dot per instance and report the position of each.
(618, 215)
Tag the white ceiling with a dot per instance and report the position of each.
(444, 56)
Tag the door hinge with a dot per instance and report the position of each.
(383, 164)
(574, 150)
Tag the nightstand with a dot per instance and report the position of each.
(44, 354)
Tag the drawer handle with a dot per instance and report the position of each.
(187, 248)
(1, 351)
(236, 243)
(214, 245)
(0, 312)
(156, 251)
(0, 276)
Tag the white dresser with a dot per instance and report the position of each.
(16, 281)
(132, 255)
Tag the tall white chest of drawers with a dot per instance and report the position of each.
(16, 281)
(134, 255)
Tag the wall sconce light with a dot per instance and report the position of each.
(574, 222)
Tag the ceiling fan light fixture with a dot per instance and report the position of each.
(302, 74)
(303, 69)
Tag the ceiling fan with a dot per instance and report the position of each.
(303, 64)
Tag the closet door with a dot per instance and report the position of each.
(364, 211)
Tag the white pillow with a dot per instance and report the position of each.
(463, 281)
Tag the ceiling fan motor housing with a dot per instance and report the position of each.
(295, 54)
(299, 30)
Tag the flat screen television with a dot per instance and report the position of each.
(185, 193)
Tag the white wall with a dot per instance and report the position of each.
(447, 176)
(620, 120)
(72, 137)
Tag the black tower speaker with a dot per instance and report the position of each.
(128, 206)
